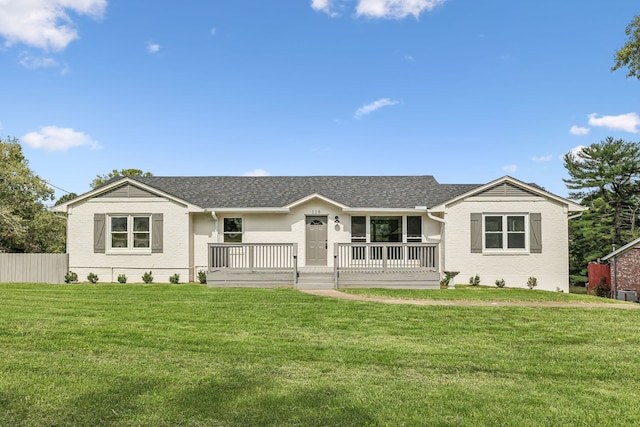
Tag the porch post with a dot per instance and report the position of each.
(294, 250)
(335, 265)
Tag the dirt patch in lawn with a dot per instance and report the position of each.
(467, 303)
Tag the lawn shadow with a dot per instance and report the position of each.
(242, 400)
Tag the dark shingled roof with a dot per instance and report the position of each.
(217, 192)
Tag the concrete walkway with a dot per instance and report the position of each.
(466, 303)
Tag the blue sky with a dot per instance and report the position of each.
(465, 90)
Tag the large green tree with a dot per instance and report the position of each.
(590, 237)
(25, 223)
(629, 55)
(609, 170)
(102, 179)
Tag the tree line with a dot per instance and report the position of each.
(26, 222)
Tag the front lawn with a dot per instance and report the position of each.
(162, 355)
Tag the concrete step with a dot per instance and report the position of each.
(314, 285)
(315, 281)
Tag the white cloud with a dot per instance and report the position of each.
(323, 6)
(213, 31)
(395, 9)
(153, 47)
(382, 9)
(626, 122)
(375, 105)
(257, 172)
(29, 61)
(409, 58)
(575, 151)
(510, 168)
(44, 24)
(541, 159)
(579, 131)
(53, 138)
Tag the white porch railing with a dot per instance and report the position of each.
(253, 256)
(385, 257)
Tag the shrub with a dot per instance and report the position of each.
(175, 279)
(532, 282)
(444, 282)
(602, 289)
(500, 283)
(474, 280)
(70, 277)
(202, 276)
(92, 277)
(122, 278)
(147, 277)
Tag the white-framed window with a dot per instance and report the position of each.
(505, 232)
(129, 233)
(395, 229)
(232, 230)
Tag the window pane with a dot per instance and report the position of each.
(119, 240)
(493, 223)
(414, 226)
(141, 223)
(515, 223)
(516, 240)
(493, 240)
(233, 237)
(141, 240)
(386, 229)
(358, 227)
(233, 225)
(119, 223)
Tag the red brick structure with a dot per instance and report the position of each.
(625, 267)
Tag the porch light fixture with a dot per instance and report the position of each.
(337, 219)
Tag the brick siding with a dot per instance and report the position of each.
(627, 270)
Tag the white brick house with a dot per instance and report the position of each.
(393, 231)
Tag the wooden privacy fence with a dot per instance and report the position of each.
(33, 268)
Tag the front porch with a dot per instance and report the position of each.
(387, 265)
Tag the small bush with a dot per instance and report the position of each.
(474, 280)
(122, 278)
(175, 279)
(532, 282)
(70, 277)
(500, 283)
(147, 277)
(202, 276)
(602, 289)
(444, 282)
(92, 278)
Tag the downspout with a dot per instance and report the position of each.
(443, 230)
(614, 295)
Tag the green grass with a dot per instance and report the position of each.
(481, 293)
(161, 355)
